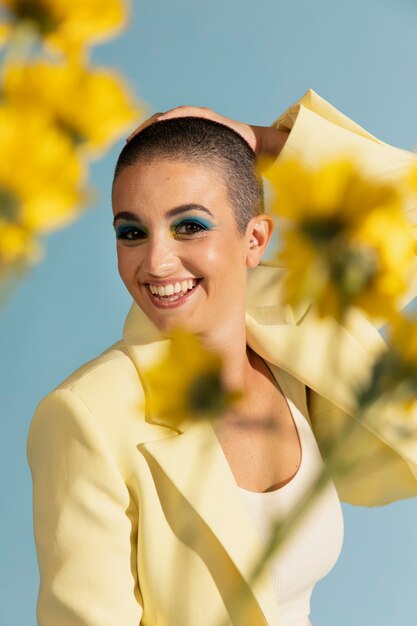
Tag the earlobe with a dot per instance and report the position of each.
(259, 234)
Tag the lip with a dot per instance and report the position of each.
(169, 281)
(161, 304)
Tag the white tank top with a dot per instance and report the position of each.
(314, 547)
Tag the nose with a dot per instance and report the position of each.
(160, 258)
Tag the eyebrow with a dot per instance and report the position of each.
(178, 210)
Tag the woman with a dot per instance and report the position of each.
(140, 523)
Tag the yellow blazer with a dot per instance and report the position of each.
(136, 523)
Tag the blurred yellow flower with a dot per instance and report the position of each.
(67, 24)
(403, 338)
(413, 179)
(40, 177)
(393, 384)
(93, 107)
(187, 384)
(18, 247)
(346, 239)
(394, 418)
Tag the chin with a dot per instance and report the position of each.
(168, 323)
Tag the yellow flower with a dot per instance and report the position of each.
(67, 24)
(40, 177)
(18, 247)
(412, 179)
(4, 33)
(187, 384)
(346, 240)
(403, 337)
(93, 106)
(394, 419)
(388, 402)
(394, 376)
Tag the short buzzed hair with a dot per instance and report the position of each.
(202, 141)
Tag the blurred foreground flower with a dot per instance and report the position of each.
(347, 241)
(40, 183)
(53, 117)
(93, 107)
(18, 246)
(67, 25)
(395, 373)
(413, 179)
(390, 398)
(187, 384)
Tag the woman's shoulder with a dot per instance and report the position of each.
(104, 369)
(104, 396)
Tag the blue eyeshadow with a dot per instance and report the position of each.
(125, 228)
(197, 220)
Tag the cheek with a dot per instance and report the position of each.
(225, 267)
(230, 254)
(210, 262)
(126, 262)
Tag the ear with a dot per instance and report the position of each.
(258, 235)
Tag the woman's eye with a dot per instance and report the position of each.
(189, 227)
(131, 233)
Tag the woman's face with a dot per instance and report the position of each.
(179, 252)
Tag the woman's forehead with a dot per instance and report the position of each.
(161, 176)
(162, 186)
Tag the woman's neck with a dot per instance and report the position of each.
(238, 366)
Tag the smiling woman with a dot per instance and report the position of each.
(170, 242)
(190, 224)
(140, 523)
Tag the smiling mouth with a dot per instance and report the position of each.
(172, 294)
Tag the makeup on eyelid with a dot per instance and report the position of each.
(194, 220)
(126, 228)
(122, 230)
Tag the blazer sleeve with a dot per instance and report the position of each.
(85, 522)
(320, 132)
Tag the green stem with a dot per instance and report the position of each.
(283, 529)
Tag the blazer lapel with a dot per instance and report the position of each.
(324, 355)
(202, 504)
(300, 343)
(190, 469)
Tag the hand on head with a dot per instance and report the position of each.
(246, 131)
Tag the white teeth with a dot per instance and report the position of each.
(173, 288)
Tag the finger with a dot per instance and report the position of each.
(180, 111)
(188, 111)
(144, 124)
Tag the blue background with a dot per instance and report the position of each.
(248, 60)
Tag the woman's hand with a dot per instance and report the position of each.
(264, 140)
